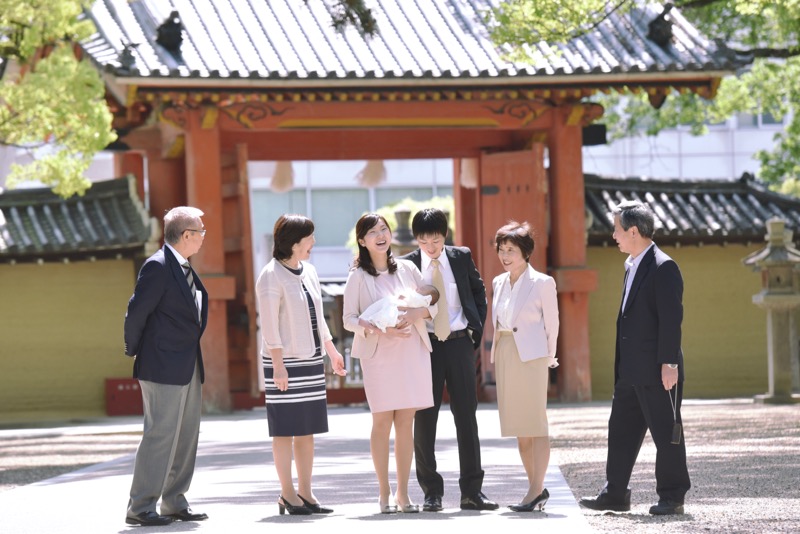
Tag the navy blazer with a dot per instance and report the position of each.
(649, 328)
(162, 328)
(471, 290)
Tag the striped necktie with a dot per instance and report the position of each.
(190, 281)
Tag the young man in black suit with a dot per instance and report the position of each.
(166, 317)
(648, 369)
(455, 336)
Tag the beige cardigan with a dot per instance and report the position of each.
(534, 320)
(360, 292)
(283, 315)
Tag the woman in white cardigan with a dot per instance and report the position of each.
(525, 318)
(295, 337)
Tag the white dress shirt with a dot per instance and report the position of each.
(458, 321)
(631, 265)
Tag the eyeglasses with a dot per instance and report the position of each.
(201, 232)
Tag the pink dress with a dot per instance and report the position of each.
(399, 375)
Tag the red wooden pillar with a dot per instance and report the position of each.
(204, 191)
(131, 162)
(465, 205)
(166, 180)
(568, 255)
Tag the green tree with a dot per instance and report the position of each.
(768, 31)
(51, 104)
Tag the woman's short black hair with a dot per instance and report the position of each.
(289, 230)
(518, 234)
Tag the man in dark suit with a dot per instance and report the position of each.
(166, 317)
(455, 334)
(648, 369)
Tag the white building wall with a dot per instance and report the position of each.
(726, 152)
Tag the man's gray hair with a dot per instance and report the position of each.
(178, 220)
(635, 213)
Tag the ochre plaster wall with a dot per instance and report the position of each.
(724, 333)
(61, 336)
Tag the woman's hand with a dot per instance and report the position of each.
(396, 331)
(411, 315)
(337, 363)
(368, 327)
(280, 376)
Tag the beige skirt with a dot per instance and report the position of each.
(521, 391)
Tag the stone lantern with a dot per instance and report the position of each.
(779, 264)
(403, 240)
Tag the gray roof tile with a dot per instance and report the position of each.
(421, 40)
(108, 220)
(692, 211)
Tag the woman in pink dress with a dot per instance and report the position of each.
(395, 362)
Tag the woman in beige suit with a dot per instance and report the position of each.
(395, 361)
(525, 318)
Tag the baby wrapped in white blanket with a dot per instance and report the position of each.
(384, 313)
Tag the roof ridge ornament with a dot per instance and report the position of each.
(660, 28)
(170, 33)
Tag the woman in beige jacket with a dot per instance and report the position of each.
(525, 318)
(395, 361)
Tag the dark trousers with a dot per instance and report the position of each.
(634, 411)
(452, 363)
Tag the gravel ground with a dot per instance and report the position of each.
(744, 460)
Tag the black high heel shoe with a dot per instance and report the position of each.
(315, 507)
(286, 506)
(539, 501)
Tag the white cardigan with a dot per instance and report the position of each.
(283, 314)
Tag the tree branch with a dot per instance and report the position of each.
(777, 53)
(695, 4)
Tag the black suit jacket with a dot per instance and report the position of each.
(649, 328)
(162, 328)
(471, 290)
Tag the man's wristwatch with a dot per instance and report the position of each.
(672, 365)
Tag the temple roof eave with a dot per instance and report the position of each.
(587, 80)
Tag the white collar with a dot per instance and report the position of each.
(181, 259)
(426, 260)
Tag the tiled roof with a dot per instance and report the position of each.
(109, 220)
(292, 43)
(692, 212)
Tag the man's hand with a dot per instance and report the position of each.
(669, 376)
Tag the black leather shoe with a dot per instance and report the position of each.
(188, 515)
(478, 502)
(539, 502)
(286, 506)
(315, 506)
(667, 508)
(433, 503)
(604, 502)
(149, 519)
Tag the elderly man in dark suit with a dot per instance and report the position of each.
(648, 369)
(166, 317)
(455, 334)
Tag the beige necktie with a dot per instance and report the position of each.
(441, 323)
